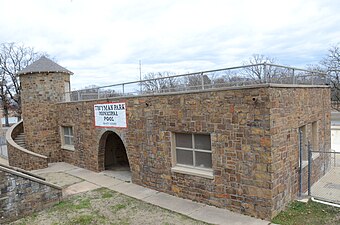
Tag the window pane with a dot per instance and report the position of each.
(203, 159)
(202, 141)
(66, 131)
(68, 140)
(184, 157)
(184, 140)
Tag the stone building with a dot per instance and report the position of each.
(231, 147)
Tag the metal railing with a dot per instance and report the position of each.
(324, 177)
(228, 77)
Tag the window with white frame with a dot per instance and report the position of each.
(193, 150)
(67, 137)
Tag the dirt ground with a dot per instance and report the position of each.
(103, 206)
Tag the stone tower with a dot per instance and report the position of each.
(43, 84)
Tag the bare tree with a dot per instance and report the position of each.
(13, 58)
(260, 73)
(196, 81)
(4, 98)
(331, 65)
(159, 82)
(229, 78)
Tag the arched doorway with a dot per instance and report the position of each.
(112, 153)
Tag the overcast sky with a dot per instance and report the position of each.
(103, 41)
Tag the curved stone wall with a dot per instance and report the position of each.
(32, 161)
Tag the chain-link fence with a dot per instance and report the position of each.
(324, 176)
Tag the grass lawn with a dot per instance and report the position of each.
(103, 206)
(300, 213)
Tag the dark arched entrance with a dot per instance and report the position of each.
(112, 153)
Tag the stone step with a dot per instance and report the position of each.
(20, 140)
(23, 136)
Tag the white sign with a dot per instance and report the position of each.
(110, 115)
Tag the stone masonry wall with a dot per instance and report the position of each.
(291, 108)
(22, 195)
(235, 119)
(40, 91)
(253, 134)
(28, 162)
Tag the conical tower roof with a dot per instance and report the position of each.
(44, 65)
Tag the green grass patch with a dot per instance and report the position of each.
(82, 220)
(107, 194)
(104, 206)
(73, 204)
(116, 208)
(308, 213)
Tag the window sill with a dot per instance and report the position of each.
(68, 147)
(194, 172)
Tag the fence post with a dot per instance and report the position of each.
(78, 92)
(123, 89)
(293, 76)
(300, 162)
(309, 168)
(265, 73)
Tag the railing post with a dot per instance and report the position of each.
(265, 72)
(123, 89)
(309, 168)
(202, 81)
(293, 76)
(78, 92)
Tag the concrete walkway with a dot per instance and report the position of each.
(327, 188)
(76, 180)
